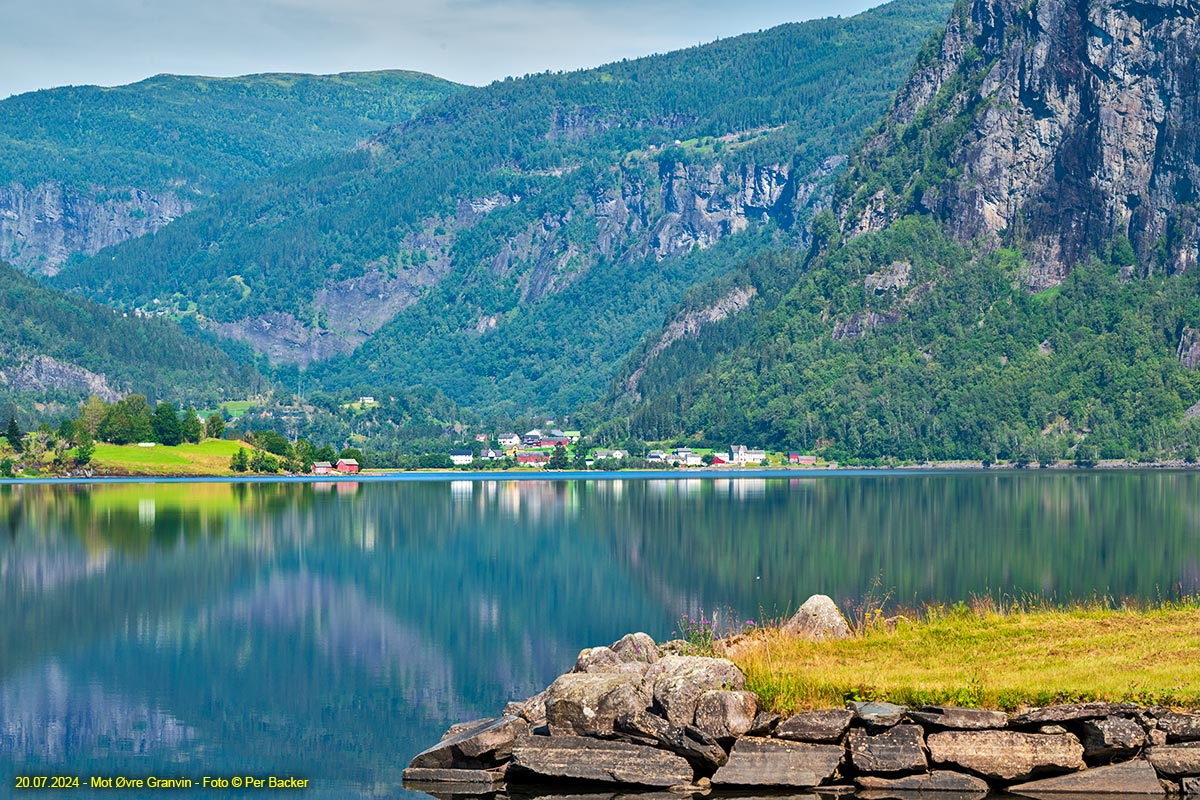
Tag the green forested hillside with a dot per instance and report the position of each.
(495, 210)
(205, 133)
(152, 356)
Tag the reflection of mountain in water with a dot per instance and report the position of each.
(278, 624)
(47, 717)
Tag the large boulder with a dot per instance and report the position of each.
(772, 762)
(819, 618)
(1006, 755)
(637, 647)
(678, 682)
(816, 726)
(701, 750)
(1180, 727)
(895, 750)
(1129, 778)
(605, 659)
(878, 716)
(724, 714)
(585, 704)
(480, 745)
(541, 758)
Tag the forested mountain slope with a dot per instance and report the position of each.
(57, 345)
(1008, 270)
(83, 167)
(512, 243)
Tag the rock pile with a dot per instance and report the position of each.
(631, 714)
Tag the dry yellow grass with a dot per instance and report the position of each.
(986, 658)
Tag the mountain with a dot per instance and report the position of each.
(55, 346)
(511, 244)
(1008, 270)
(84, 167)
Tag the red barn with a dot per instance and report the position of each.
(346, 466)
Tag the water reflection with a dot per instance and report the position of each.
(336, 628)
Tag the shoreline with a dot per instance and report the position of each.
(692, 473)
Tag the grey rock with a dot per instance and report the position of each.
(1074, 712)
(700, 749)
(1190, 787)
(1175, 760)
(1052, 730)
(604, 659)
(637, 647)
(724, 714)
(532, 710)
(1129, 778)
(765, 723)
(878, 715)
(475, 778)
(1180, 727)
(1006, 755)
(484, 744)
(1111, 737)
(586, 759)
(587, 703)
(815, 726)
(819, 618)
(897, 749)
(1156, 738)
(772, 762)
(962, 719)
(935, 781)
(678, 682)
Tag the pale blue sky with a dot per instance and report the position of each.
(46, 43)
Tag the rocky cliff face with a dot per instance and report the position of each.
(1067, 125)
(44, 225)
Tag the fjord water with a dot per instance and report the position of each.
(330, 631)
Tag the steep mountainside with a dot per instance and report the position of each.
(58, 345)
(85, 167)
(1008, 270)
(511, 244)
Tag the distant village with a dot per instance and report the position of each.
(538, 448)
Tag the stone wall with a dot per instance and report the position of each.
(636, 714)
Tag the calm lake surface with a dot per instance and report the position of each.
(332, 631)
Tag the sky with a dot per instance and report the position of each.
(46, 43)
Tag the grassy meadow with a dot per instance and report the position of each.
(210, 457)
(985, 657)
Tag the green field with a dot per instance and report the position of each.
(210, 457)
(985, 658)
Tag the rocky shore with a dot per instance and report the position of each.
(636, 714)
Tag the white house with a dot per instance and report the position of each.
(509, 440)
(461, 458)
(742, 456)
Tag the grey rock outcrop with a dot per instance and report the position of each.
(818, 618)
(479, 745)
(585, 759)
(687, 741)
(1006, 755)
(633, 647)
(43, 373)
(1111, 737)
(725, 714)
(1180, 727)
(1081, 127)
(771, 762)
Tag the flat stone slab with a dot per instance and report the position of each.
(815, 726)
(1130, 777)
(1175, 760)
(479, 778)
(1073, 712)
(959, 719)
(878, 715)
(772, 762)
(540, 758)
(687, 741)
(898, 749)
(481, 745)
(937, 781)
(1006, 755)
(1111, 737)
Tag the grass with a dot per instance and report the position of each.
(986, 657)
(210, 457)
